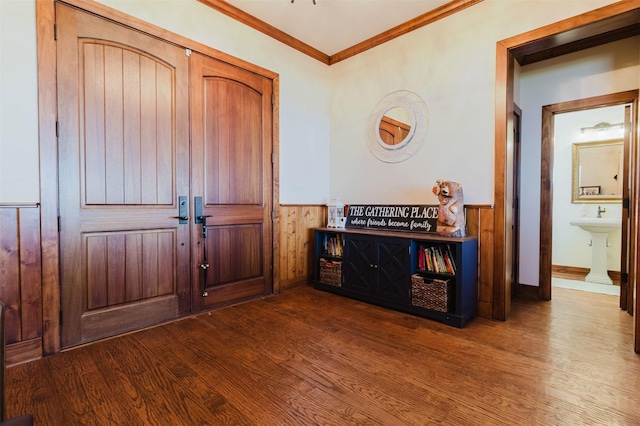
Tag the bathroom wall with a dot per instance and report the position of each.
(605, 69)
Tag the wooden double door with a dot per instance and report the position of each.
(165, 179)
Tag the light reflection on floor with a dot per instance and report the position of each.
(586, 286)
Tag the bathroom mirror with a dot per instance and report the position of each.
(397, 127)
(597, 171)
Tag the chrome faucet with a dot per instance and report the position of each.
(600, 211)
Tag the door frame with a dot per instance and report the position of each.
(517, 162)
(572, 34)
(546, 175)
(47, 117)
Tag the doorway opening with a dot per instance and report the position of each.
(609, 23)
(569, 191)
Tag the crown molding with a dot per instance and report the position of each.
(257, 24)
(397, 31)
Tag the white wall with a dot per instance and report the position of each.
(451, 65)
(598, 71)
(19, 161)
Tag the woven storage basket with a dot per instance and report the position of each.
(432, 293)
(331, 272)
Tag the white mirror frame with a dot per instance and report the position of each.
(415, 139)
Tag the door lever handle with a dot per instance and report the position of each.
(183, 210)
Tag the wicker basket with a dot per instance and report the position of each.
(432, 293)
(331, 272)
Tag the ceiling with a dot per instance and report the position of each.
(332, 26)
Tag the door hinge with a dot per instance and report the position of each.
(625, 203)
(59, 224)
(273, 99)
(57, 129)
(55, 32)
(624, 278)
(60, 317)
(273, 215)
(187, 52)
(273, 158)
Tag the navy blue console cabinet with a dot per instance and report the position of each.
(424, 274)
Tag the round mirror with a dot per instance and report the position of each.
(397, 127)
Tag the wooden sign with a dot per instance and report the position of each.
(408, 218)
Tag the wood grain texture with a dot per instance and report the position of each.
(149, 116)
(20, 281)
(310, 357)
(296, 243)
(231, 167)
(48, 145)
(480, 220)
(599, 26)
(502, 195)
(48, 112)
(627, 228)
(126, 97)
(546, 204)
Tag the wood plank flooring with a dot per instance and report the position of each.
(312, 358)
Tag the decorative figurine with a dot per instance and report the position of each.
(451, 221)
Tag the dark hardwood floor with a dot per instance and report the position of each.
(313, 358)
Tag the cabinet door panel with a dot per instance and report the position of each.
(394, 266)
(359, 273)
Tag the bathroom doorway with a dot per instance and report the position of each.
(594, 124)
(614, 22)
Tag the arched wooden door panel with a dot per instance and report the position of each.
(124, 162)
(231, 131)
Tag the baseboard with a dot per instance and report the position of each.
(295, 283)
(579, 274)
(25, 351)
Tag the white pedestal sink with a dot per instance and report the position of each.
(599, 228)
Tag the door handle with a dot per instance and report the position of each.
(183, 210)
(197, 206)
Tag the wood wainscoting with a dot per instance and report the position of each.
(480, 220)
(20, 281)
(295, 241)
